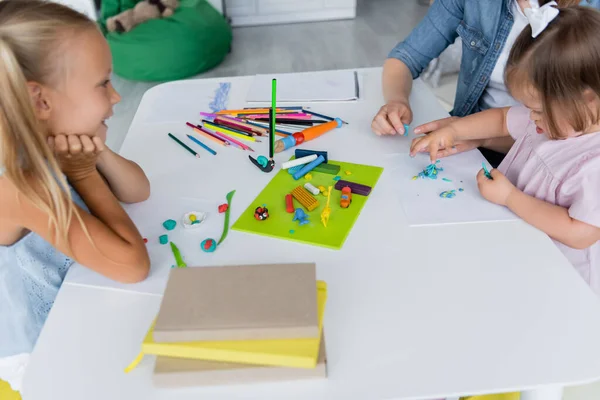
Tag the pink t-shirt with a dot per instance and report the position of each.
(562, 172)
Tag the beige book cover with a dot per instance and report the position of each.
(249, 302)
(172, 372)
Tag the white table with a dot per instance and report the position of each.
(412, 313)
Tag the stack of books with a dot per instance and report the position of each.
(239, 324)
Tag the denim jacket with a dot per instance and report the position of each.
(483, 26)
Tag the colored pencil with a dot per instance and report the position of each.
(219, 125)
(297, 116)
(280, 108)
(228, 131)
(260, 131)
(199, 143)
(241, 126)
(289, 121)
(185, 146)
(272, 118)
(253, 111)
(321, 115)
(207, 134)
(227, 139)
(278, 132)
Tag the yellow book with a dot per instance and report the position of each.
(296, 353)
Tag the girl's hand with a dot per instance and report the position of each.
(460, 146)
(76, 154)
(391, 118)
(440, 140)
(498, 189)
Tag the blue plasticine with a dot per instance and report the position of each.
(169, 224)
(308, 167)
(448, 194)
(300, 216)
(295, 169)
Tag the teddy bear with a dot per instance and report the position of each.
(143, 11)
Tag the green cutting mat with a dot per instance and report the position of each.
(279, 223)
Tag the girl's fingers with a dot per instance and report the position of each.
(50, 142)
(61, 145)
(88, 146)
(75, 146)
(418, 145)
(433, 125)
(98, 144)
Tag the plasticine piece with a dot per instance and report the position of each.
(308, 167)
(295, 169)
(431, 171)
(447, 180)
(208, 245)
(169, 224)
(461, 189)
(312, 189)
(322, 190)
(448, 194)
(337, 178)
(300, 216)
(223, 208)
(327, 210)
(304, 152)
(229, 197)
(193, 219)
(348, 173)
(305, 198)
(486, 171)
(178, 257)
(163, 239)
(292, 231)
(357, 188)
(330, 169)
(289, 203)
(298, 162)
(261, 213)
(346, 197)
(145, 240)
(308, 176)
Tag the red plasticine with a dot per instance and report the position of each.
(223, 208)
(289, 203)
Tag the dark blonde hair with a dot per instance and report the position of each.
(561, 64)
(32, 35)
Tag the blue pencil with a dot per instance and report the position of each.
(321, 115)
(211, 151)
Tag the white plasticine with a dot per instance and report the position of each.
(311, 188)
(187, 224)
(298, 161)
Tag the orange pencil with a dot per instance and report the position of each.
(206, 135)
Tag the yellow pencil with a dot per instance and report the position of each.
(227, 132)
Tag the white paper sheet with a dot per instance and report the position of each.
(306, 87)
(148, 217)
(421, 199)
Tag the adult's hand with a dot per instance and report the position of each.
(391, 118)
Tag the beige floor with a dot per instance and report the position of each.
(363, 42)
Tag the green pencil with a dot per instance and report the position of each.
(185, 146)
(273, 118)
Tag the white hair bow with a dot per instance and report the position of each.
(540, 17)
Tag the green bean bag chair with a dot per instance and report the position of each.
(194, 39)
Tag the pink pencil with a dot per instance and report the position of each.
(287, 116)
